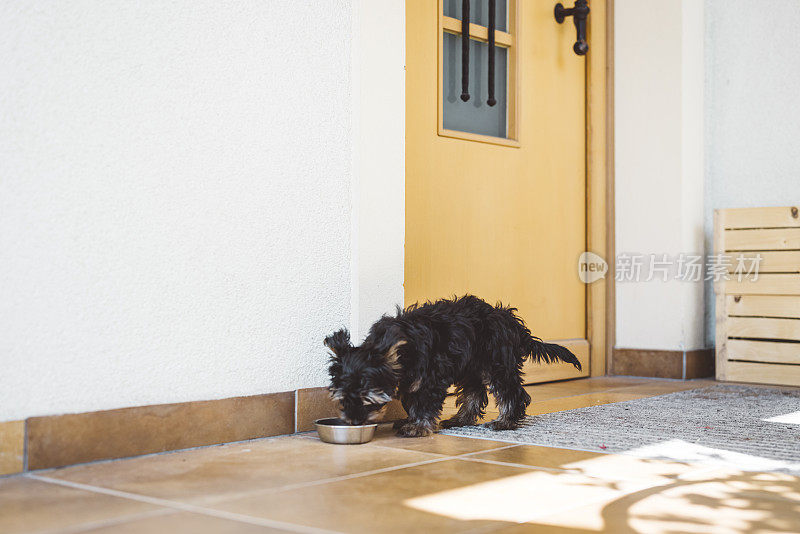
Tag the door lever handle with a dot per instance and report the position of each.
(578, 12)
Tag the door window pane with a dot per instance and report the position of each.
(479, 12)
(474, 115)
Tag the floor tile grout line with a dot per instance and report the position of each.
(331, 480)
(448, 456)
(312, 483)
(110, 522)
(228, 498)
(493, 449)
(439, 458)
(533, 467)
(388, 448)
(185, 507)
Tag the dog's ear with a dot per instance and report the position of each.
(339, 342)
(392, 355)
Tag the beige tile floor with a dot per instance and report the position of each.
(436, 484)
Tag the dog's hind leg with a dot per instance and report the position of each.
(471, 402)
(506, 386)
(511, 402)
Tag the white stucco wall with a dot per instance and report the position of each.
(176, 199)
(658, 121)
(752, 110)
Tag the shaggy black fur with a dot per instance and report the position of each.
(420, 352)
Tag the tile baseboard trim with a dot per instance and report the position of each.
(12, 447)
(680, 364)
(61, 440)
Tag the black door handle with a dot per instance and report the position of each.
(579, 12)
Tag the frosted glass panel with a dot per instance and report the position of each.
(479, 12)
(474, 115)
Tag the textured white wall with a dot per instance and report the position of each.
(658, 83)
(175, 191)
(752, 110)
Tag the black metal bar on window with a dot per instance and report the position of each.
(491, 101)
(464, 50)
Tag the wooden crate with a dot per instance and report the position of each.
(758, 316)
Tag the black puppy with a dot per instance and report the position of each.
(420, 352)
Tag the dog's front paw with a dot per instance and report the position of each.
(414, 430)
(399, 423)
(454, 422)
(499, 424)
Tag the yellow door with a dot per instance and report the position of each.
(498, 211)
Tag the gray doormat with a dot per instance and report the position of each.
(748, 428)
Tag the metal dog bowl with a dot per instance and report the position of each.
(334, 430)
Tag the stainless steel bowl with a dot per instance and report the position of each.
(337, 431)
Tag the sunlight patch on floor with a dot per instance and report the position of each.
(518, 498)
(683, 451)
(683, 507)
(788, 418)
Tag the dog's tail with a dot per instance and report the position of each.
(550, 352)
(534, 347)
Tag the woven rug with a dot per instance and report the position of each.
(748, 428)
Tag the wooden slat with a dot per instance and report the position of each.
(721, 311)
(764, 351)
(477, 32)
(763, 305)
(762, 217)
(772, 239)
(766, 284)
(784, 261)
(764, 373)
(763, 328)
